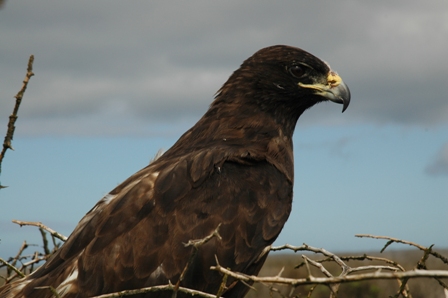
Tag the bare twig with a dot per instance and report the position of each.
(222, 286)
(346, 270)
(373, 258)
(348, 274)
(168, 287)
(42, 226)
(391, 240)
(45, 241)
(13, 117)
(12, 268)
(403, 289)
(333, 287)
(36, 259)
(330, 280)
(198, 242)
(19, 253)
(427, 250)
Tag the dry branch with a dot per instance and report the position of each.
(390, 270)
(13, 117)
(31, 260)
(335, 279)
(12, 268)
(168, 287)
(41, 226)
(199, 242)
(427, 250)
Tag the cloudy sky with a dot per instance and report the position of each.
(115, 81)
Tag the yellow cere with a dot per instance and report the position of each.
(333, 79)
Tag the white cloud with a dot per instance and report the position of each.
(165, 60)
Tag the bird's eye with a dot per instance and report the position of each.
(297, 71)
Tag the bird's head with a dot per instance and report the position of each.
(285, 80)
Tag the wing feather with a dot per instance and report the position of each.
(140, 229)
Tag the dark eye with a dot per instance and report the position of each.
(297, 71)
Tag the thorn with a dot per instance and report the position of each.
(281, 271)
(8, 145)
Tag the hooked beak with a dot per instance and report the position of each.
(335, 89)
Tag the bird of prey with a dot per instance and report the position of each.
(232, 172)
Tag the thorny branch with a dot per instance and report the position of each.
(41, 226)
(11, 267)
(28, 261)
(196, 244)
(199, 242)
(13, 117)
(390, 269)
(427, 250)
(168, 287)
(333, 279)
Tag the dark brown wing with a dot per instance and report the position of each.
(135, 236)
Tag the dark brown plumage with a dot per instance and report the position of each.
(234, 168)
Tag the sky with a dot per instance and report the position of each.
(116, 81)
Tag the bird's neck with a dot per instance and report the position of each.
(237, 130)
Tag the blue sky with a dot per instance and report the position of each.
(115, 83)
